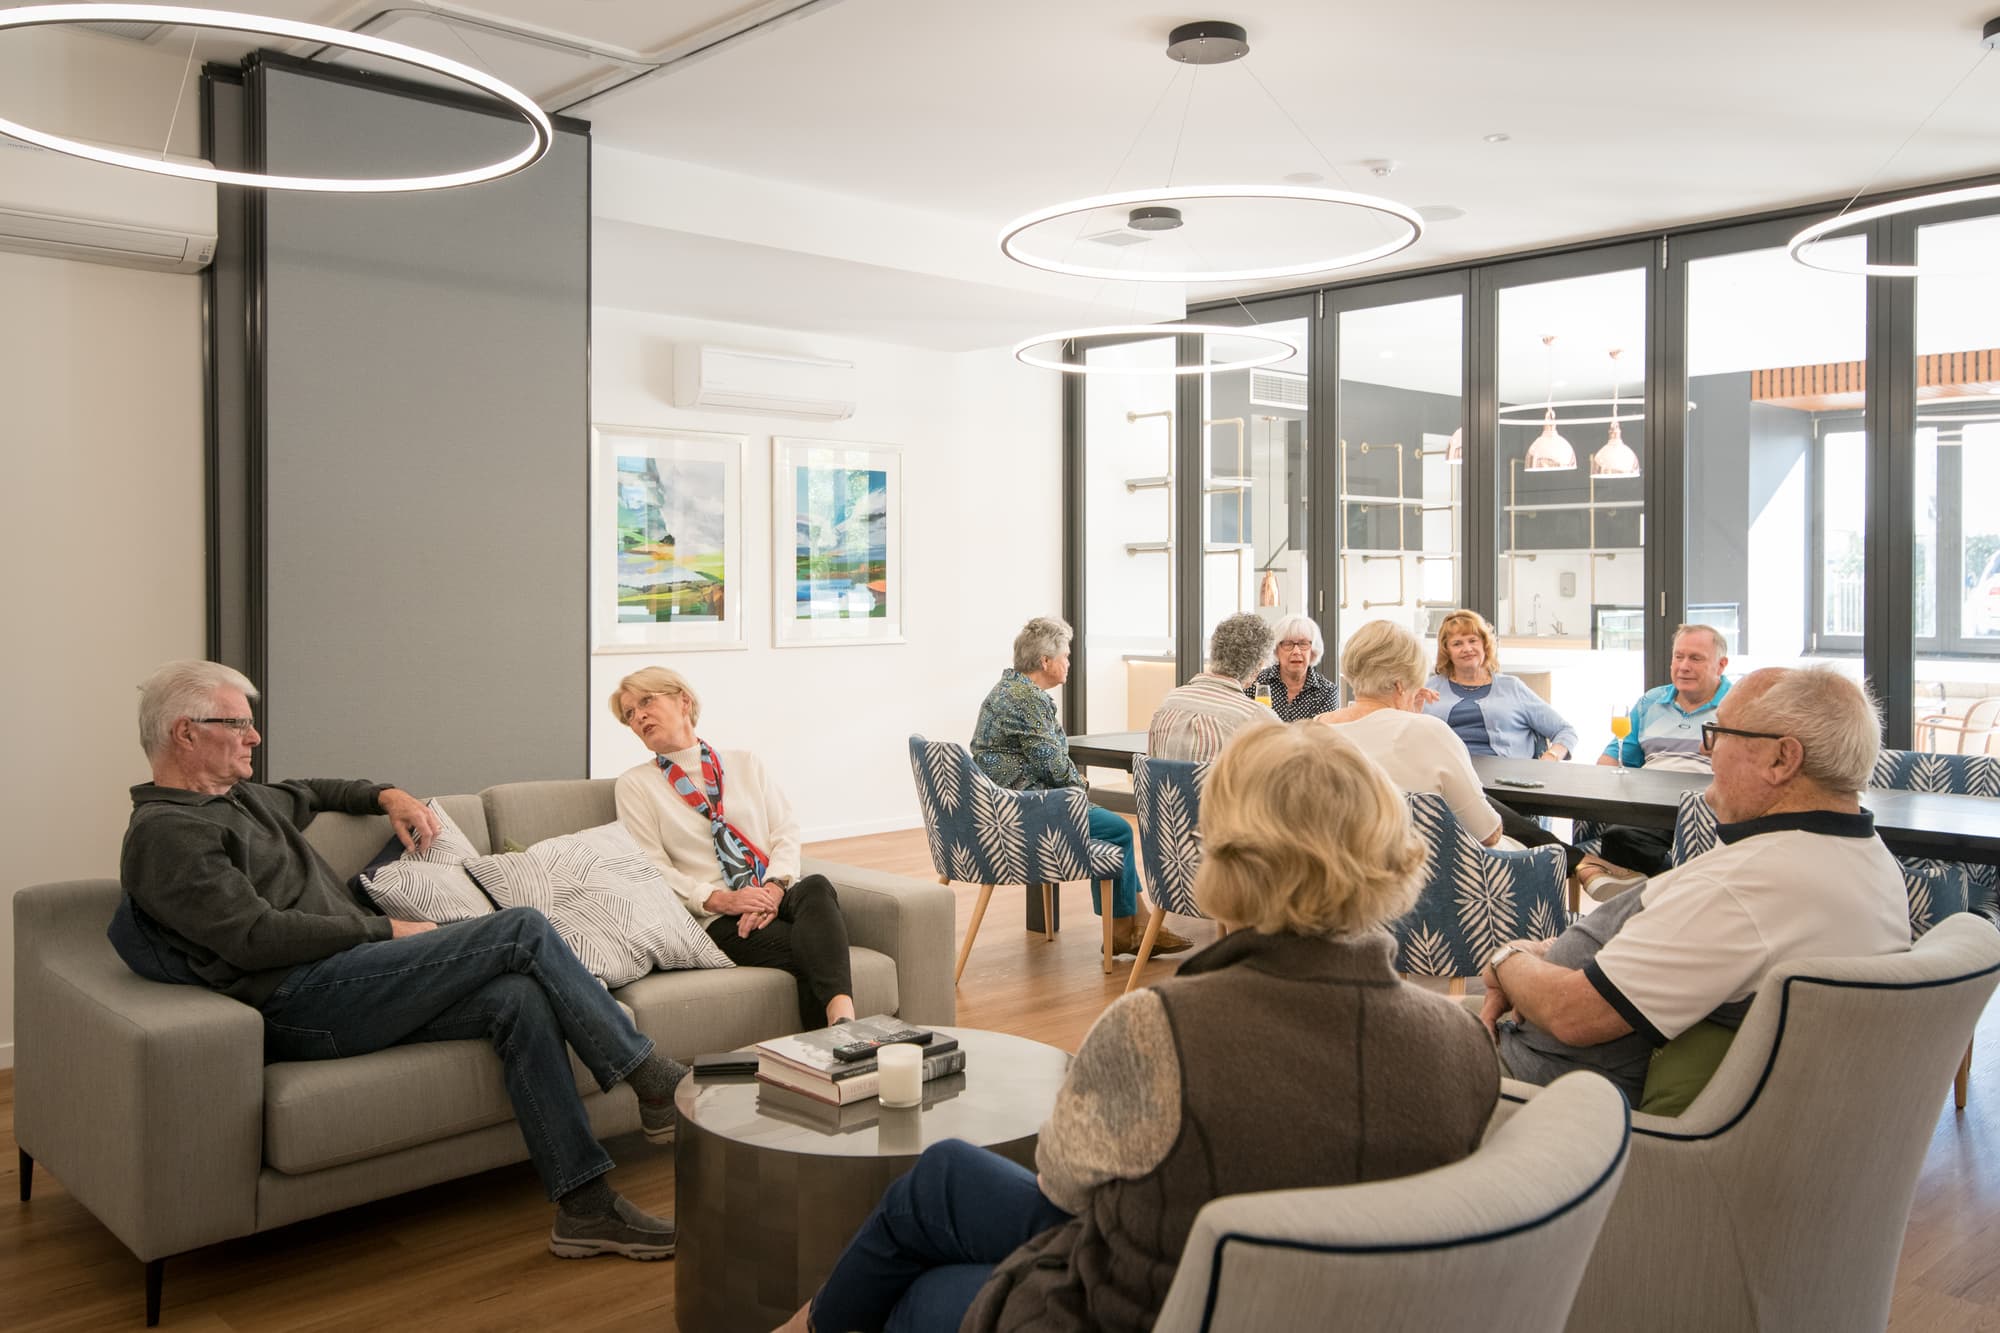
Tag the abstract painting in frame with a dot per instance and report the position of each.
(666, 533)
(837, 534)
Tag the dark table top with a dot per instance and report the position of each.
(1955, 828)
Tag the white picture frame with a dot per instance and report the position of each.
(667, 567)
(836, 543)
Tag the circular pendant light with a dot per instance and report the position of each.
(1801, 247)
(31, 16)
(1276, 349)
(1527, 414)
(1142, 206)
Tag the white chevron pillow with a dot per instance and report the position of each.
(430, 885)
(606, 900)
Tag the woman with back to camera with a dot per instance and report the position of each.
(1492, 712)
(1293, 1020)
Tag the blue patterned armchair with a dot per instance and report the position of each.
(1694, 828)
(1168, 795)
(1970, 887)
(982, 833)
(1474, 898)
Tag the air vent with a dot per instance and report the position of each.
(1278, 388)
(131, 32)
(1120, 238)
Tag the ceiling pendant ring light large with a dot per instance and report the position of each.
(1413, 225)
(55, 15)
(1279, 349)
(1530, 414)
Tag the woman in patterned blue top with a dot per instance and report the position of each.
(1020, 744)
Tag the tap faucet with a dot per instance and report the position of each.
(1535, 615)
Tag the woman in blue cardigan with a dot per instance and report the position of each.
(1494, 713)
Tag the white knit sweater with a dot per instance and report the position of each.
(680, 841)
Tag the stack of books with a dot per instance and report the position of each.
(805, 1062)
(794, 1107)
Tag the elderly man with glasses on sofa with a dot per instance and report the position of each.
(1799, 872)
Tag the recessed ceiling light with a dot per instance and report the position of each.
(1498, 138)
(1440, 212)
(1305, 178)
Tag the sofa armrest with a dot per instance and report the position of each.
(145, 1100)
(910, 921)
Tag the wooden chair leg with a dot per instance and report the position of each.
(1104, 915)
(156, 1272)
(1146, 946)
(978, 915)
(1049, 911)
(1958, 1087)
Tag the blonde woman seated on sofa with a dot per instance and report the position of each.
(725, 839)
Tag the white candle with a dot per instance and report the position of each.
(902, 1069)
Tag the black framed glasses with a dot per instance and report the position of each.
(1710, 730)
(235, 724)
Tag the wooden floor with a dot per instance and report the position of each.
(471, 1254)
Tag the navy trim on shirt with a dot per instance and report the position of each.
(1616, 999)
(1833, 823)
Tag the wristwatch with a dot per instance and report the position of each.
(1501, 955)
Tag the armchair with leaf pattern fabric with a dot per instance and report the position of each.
(1475, 898)
(1167, 793)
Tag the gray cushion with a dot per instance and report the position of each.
(349, 842)
(528, 812)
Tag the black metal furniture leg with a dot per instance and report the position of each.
(27, 1175)
(156, 1270)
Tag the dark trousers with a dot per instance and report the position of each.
(506, 978)
(808, 939)
(1646, 850)
(1521, 828)
(933, 1240)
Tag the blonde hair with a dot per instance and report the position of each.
(1381, 656)
(1302, 833)
(1466, 622)
(654, 680)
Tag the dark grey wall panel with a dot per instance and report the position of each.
(425, 446)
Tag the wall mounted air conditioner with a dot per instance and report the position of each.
(71, 208)
(767, 383)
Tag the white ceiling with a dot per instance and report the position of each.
(938, 120)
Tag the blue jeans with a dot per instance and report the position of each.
(1107, 827)
(507, 978)
(929, 1246)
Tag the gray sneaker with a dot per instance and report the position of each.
(657, 1119)
(625, 1231)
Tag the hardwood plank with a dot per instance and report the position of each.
(470, 1255)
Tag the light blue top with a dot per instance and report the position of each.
(1661, 727)
(1515, 716)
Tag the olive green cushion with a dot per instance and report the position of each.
(1682, 1068)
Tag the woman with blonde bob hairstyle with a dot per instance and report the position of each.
(1172, 1100)
(1492, 712)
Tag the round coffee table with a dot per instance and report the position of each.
(770, 1187)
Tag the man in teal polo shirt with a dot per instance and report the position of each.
(1666, 733)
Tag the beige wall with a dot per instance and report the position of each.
(100, 490)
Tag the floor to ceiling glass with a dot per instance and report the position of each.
(1957, 555)
(1254, 492)
(1776, 457)
(1569, 444)
(1128, 534)
(1399, 464)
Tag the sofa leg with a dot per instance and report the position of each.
(27, 1175)
(156, 1272)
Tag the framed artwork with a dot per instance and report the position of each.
(666, 540)
(837, 534)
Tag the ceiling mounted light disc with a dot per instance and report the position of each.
(34, 16)
(1273, 349)
(1209, 212)
(1208, 42)
(1802, 245)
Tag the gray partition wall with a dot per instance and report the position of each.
(415, 553)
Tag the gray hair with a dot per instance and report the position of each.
(1380, 656)
(1714, 634)
(1836, 720)
(1301, 627)
(1041, 638)
(178, 690)
(1240, 646)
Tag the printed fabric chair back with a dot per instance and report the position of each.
(982, 833)
(1168, 795)
(1694, 828)
(1939, 883)
(1474, 898)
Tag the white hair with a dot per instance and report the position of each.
(1301, 627)
(1834, 719)
(1240, 646)
(178, 690)
(1041, 638)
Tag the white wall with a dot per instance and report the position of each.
(982, 514)
(100, 489)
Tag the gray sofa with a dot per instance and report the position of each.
(154, 1107)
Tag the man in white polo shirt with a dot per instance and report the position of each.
(1798, 873)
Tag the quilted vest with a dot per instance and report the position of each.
(1304, 1062)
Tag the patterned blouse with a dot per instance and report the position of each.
(1319, 695)
(1018, 742)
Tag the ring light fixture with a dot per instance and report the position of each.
(1278, 349)
(1801, 247)
(31, 16)
(1011, 244)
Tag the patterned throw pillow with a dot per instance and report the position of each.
(607, 901)
(431, 885)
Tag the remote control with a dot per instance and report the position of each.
(861, 1050)
(1518, 782)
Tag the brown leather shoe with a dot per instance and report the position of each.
(1128, 931)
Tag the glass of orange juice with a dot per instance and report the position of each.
(1621, 727)
(1264, 694)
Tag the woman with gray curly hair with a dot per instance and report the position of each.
(1297, 688)
(1197, 719)
(1020, 744)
